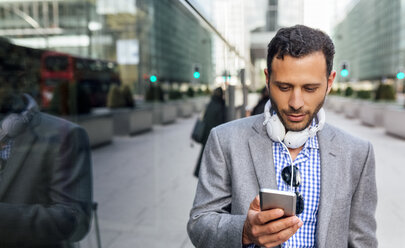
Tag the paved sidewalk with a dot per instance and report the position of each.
(145, 188)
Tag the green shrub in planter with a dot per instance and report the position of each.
(175, 94)
(207, 92)
(385, 92)
(336, 92)
(115, 97)
(332, 92)
(70, 99)
(154, 93)
(127, 96)
(200, 92)
(363, 94)
(349, 91)
(190, 92)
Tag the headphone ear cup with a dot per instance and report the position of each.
(294, 140)
(13, 124)
(275, 129)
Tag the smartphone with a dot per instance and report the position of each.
(271, 198)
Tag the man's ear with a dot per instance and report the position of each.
(331, 79)
(266, 72)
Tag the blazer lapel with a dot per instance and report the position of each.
(261, 150)
(21, 147)
(329, 168)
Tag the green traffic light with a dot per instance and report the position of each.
(196, 74)
(344, 73)
(153, 78)
(400, 75)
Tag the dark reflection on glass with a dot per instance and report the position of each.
(45, 172)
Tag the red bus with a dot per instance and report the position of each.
(94, 76)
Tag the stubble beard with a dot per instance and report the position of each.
(286, 124)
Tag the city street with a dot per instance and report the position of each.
(145, 187)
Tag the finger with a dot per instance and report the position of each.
(280, 237)
(264, 217)
(277, 226)
(255, 204)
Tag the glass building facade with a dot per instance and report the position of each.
(174, 44)
(155, 37)
(371, 40)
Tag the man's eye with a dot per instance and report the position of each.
(311, 89)
(284, 88)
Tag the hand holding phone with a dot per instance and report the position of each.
(268, 228)
(271, 199)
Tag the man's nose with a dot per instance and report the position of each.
(296, 100)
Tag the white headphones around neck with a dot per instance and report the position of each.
(276, 130)
(15, 123)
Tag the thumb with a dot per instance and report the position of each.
(255, 204)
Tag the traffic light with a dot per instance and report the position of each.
(400, 75)
(196, 73)
(153, 78)
(344, 71)
(226, 76)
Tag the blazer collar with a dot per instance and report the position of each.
(330, 152)
(261, 150)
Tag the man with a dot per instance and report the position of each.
(45, 173)
(264, 97)
(337, 170)
(215, 114)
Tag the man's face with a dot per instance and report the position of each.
(298, 87)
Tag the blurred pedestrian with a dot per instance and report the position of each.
(290, 148)
(45, 173)
(259, 108)
(215, 114)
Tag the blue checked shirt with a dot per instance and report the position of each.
(308, 162)
(5, 149)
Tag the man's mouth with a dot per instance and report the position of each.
(296, 117)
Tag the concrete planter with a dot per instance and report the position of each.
(163, 113)
(131, 121)
(99, 127)
(184, 108)
(339, 103)
(168, 113)
(372, 114)
(199, 103)
(351, 108)
(394, 119)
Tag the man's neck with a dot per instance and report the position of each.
(294, 152)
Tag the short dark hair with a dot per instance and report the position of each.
(299, 41)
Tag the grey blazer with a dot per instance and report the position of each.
(238, 161)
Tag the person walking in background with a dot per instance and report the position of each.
(215, 114)
(259, 108)
(289, 148)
